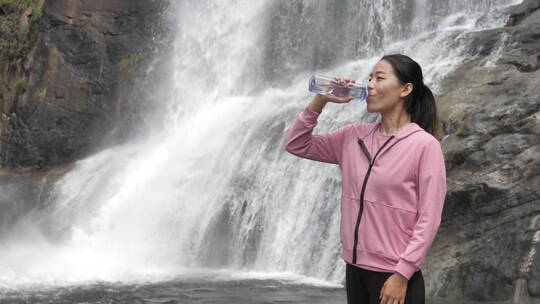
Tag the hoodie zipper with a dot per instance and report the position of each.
(360, 211)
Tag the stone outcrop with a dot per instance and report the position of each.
(82, 73)
(73, 73)
(489, 241)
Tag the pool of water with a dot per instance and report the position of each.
(246, 291)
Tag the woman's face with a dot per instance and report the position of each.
(385, 90)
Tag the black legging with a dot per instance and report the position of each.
(364, 286)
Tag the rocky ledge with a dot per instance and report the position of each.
(74, 80)
(81, 92)
(489, 241)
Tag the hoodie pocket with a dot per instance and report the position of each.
(384, 229)
(405, 220)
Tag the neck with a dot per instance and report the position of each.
(393, 123)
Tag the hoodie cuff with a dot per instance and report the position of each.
(309, 116)
(405, 268)
(311, 111)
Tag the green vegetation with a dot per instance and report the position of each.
(16, 36)
(131, 60)
(22, 86)
(36, 14)
(15, 6)
(13, 37)
(42, 95)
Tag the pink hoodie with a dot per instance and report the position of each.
(391, 202)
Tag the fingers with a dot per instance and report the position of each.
(343, 80)
(332, 98)
(340, 81)
(340, 99)
(389, 300)
(390, 297)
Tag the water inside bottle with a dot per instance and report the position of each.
(327, 86)
(321, 88)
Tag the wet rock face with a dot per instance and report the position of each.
(73, 77)
(525, 13)
(489, 239)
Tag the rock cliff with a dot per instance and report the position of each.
(69, 87)
(489, 240)
(75, 76)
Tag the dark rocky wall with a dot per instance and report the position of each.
(84, 73)
(74, 71)
(489, 241)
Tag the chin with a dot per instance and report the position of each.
(371, 109)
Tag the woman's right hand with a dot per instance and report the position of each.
(329, 98)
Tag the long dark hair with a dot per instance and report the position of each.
(420, 103)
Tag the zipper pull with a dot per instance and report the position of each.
(366, 152)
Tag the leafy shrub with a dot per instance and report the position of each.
(36, 14)
(15, 37)
(22, 86)
(10, 6)
(131, 60)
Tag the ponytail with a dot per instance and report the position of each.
(423, 110)
(420, 104)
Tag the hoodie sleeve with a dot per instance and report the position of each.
(431, 178)
(321, 147)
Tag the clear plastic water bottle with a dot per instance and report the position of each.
(328, 86)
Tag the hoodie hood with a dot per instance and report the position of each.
(409, 129)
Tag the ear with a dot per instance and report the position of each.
(407, 89)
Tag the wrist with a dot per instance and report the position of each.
(402, 277)
(320, 98)
(318, 103)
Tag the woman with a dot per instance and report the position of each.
(393, 181)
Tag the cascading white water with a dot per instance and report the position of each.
(216, 189)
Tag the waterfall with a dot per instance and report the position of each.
(215, 189)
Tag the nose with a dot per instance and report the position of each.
(370, 85)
